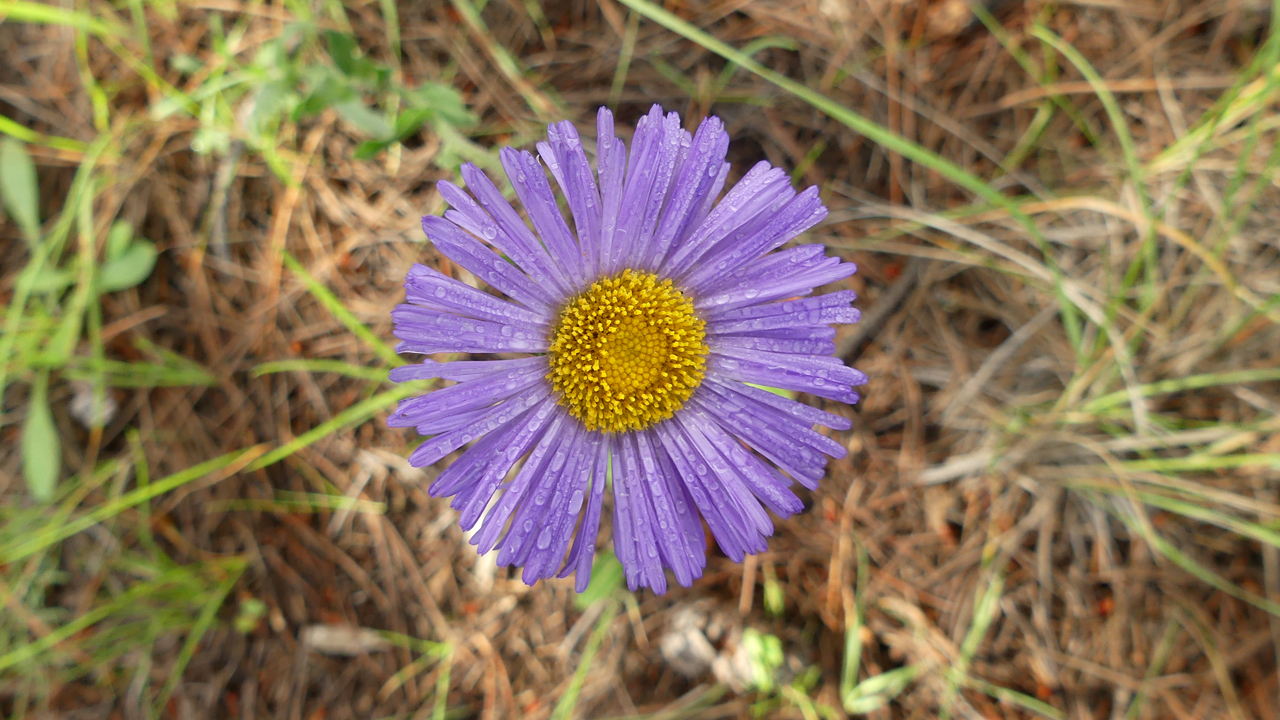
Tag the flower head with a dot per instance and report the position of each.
(632, 348)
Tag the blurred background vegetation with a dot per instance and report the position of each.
(1061, 498)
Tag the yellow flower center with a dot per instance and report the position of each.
(627, 352)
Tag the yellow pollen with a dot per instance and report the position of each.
(627, 352)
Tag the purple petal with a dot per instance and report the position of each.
(568, 162)
(479, 393)
(431, 331)
(532, 495)
(832, 308)
(801, 213)
(495, 520)
(638, 551)
(762, 288)
(464, 369)
(708, 202)
(435, 449)
(737, 521)
(790, 372)
(801, 332)
(544, 559)
(798, 410)
(697, 179)
(529, 179)
(799, 346)
(757, 195)
(611, 159)
(649, 172)
(583, 551)
(532, 526)
(801, 258)
(471, 501)
(782, 447)
(429, 288)
(679, 543)
(507, 232)
(465, 250)
(462, 474)
(766, 414)
(765, 483)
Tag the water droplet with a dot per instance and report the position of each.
(490, 232)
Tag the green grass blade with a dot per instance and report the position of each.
(569, 702)
(1201, 573)
(353, 415)
(43, 14)
(225, 465)
(321, 366)
(1200, 463)
(234, 568)
(1146, 257)
(31, 137)
(342, 314)
(1192, 382)
(1004, 694)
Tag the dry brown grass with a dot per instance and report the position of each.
(965, 465)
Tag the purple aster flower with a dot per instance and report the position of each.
(632, 346)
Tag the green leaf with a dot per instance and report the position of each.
(52, 280)
(364, 119)
(325, 89)
(410, 120)
(347, 56)
(119, 238)
(606, 578)
(344, 51)
(407, 123)
(19, 189)
(130, 268)
(41, 448)
(369, 149)
(444, 101)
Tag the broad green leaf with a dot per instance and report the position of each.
(444, 101)
(408, 122)
(346, 55)
(344, 51)
(364, 119)
(324, 89)
(41, 448)
(606, 578)
(129, 269)
(119, 238)
(369, 149)
(19, 188)
(52, 280)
